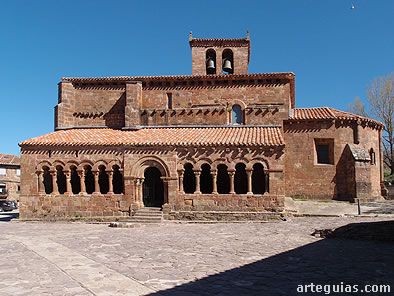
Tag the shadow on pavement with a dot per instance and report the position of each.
(329, 261)
(386, 207)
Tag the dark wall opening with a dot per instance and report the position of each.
(189, 180)
(117, 180)
(206, 184)
(61, 180)
(47, 178)
(223, 179)
(103, 180)
(89, 179)
(75, 181)
(153, 189)
(258, 179)
(240, 179)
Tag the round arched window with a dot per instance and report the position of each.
(237, 115)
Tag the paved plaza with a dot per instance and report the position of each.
(185, 259)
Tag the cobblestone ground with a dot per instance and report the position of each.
(186, 259)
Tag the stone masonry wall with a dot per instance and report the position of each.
(307, 179)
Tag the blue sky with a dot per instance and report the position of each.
(334, 51)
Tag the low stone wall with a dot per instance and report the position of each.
(60, 207)
(223, 216)
(229, 202)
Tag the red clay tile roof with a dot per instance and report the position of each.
(322, 113)
(275, 75)
(167, 136)
(219, 42)
(9, 159)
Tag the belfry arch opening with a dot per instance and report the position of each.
(210, 61)
(227, 61)
(153, 188)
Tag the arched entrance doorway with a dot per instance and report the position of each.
(153, 188)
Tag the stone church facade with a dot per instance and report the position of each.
(218, 141)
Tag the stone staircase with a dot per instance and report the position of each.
(147, 215)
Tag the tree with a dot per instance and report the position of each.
(357, 107)
(380, 96)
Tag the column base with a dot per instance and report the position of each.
(249, 193)
(197, 192)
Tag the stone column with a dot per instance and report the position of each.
(68, 183)
(197, 175)
(81, 175)
(55, 190)
(141, 191)
(137, 191)
(40, 183)
(231, 174)
(181, 190)
(96, 183)
(214, 174)
(249, 173)
(110, 179)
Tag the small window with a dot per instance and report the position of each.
(324, 151)
(3, 172)
(237, 115)
(169, 100)
(19, 188)
(372, 156)
(18, 172)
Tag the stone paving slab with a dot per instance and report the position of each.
(185, 259)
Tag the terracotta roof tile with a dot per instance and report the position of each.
(166, 136)
(287, 75)
(9, 159)
(322, 113)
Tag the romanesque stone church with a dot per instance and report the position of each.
(221, 141)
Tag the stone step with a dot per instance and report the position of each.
(142, 221)
(147, 217)
(158, 214)
(149, 209)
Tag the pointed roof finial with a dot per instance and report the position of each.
(247, 35)
(190, 36)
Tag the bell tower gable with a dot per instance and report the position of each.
(211, 56)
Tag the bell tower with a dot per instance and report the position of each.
(211, 56)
